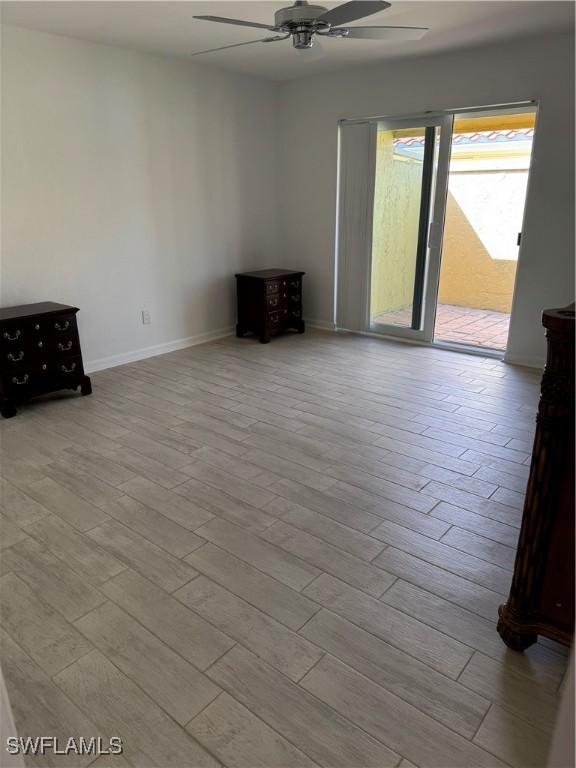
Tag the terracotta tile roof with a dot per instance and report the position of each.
(481, 137)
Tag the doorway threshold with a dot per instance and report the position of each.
(450, 346)
(469, 349)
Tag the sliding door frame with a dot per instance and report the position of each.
(444, 118)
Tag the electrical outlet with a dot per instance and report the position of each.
(146, 317)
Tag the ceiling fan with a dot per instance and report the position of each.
(302, 22)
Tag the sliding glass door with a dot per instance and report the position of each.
(392, 197)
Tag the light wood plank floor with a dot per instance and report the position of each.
(281, 555)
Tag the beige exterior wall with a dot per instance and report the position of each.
(395, 228)
(470, 276)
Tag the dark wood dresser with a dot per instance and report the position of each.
(541, 600)
(269, 301)
(39, 353)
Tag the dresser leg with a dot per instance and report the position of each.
(7, 409)
(301, 328)
(86, 386)
(514, 635)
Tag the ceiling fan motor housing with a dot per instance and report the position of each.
(300, 21)
(299, 13)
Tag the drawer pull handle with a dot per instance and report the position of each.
(273, 302)
(40, 344)
(295, 297)
(296, 313)
(63, 327)
(44, 366)
(274, 318)
(63, 348)
(15, 358)
(23, 380)
(294, 283)
(8, 336)
(64, 369)
(36, 327)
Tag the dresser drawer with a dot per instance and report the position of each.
(62, 324)
(295, 313)
(14, 357)
(271, 286)
(276, 301)
(64, 345)
(15, 336)
(294, 283)
(20, 334)
(40, 372)
(276, 319)
(18, 381)
(66, 367)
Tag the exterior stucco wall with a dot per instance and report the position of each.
(395, 228)
(483, 217)
(479, 255)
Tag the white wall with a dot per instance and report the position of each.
(132, 181)
(540, 68)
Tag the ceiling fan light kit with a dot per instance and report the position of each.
(301, 22)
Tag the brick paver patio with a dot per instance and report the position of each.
(479, 327)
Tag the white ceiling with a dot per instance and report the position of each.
(168, 28)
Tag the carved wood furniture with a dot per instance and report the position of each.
(541, 600)
(269, 301)
(39, 353)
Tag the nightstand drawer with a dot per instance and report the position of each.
(275, 302)
(294, 283)
(275, 319)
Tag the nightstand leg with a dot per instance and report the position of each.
(301, 328)
(86, 386)
(7, 409)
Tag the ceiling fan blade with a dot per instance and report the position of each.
(237, 22)
(386, 33)
(356, 9)
(237, 45)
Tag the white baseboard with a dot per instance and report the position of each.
(323, 325)
(527, 362)
(159, 349)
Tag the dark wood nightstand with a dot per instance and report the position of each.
(39, 353)
(269, 301)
